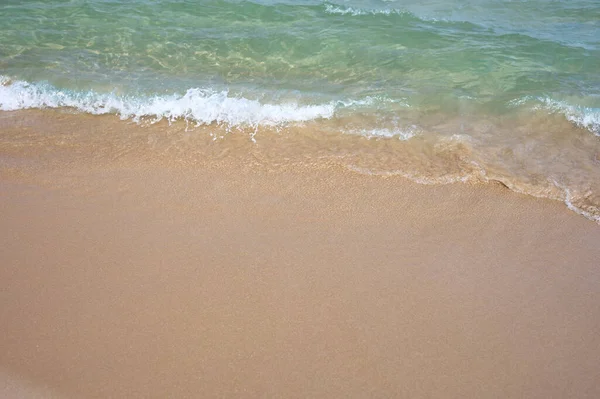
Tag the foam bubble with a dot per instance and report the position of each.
(372, 101)
(585, 117)
(333, 9)
(401, 134)
(570, 203)
(201, 106)
(355, 12)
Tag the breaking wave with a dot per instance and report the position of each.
(582, 116)
(197, 105)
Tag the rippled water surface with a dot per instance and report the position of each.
(483, 89)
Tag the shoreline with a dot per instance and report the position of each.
(54, 137)
(133, 276)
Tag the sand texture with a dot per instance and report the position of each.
(239, 277)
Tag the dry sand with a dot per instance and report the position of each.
(235, 278)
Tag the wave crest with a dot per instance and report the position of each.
(584, 117)
(201, 106)
(341, 10)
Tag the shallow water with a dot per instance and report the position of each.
(440, 91)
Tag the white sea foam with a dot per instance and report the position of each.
(371, 101)
(400, 134)
(200, 106)
(333, 9)
(585, 117)
(569, 203)
(355, 12)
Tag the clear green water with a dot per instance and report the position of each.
(481, 71)
(446, 55)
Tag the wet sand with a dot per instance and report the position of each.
(233, 276)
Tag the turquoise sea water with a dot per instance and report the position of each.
(517, 83)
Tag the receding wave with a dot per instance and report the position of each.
(400, 134)
(200, 106)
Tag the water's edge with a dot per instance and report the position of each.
(422, 158)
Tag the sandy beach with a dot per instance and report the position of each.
(136, 274)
